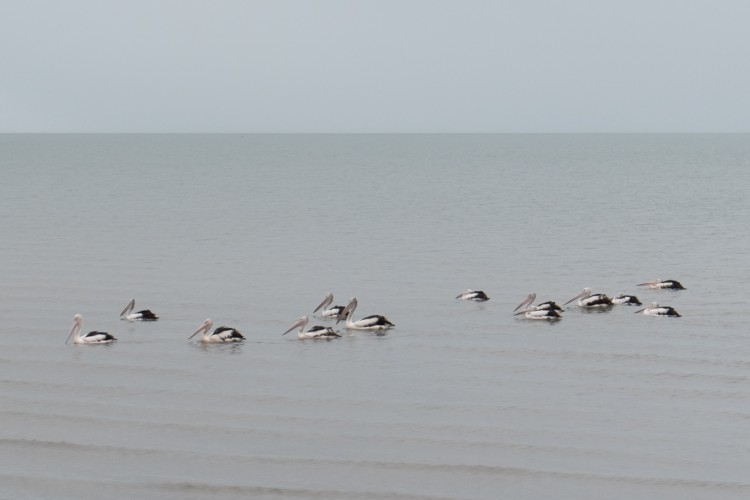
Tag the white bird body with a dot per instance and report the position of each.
(374, 322)
(221, 334)
(315, 332)
(654, 309)
(587, 299)
(475, 295)
(89, 338)
(663, 284)
(143, 315)
(328, 312)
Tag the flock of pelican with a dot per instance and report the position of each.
(227, 334)
(551, 311)
(548, 310)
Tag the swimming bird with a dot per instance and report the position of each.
(89, 338)
(315, 332)
(664, 285)
(628, 300)
(374, 322)
(654, 309)
(143, 315)
(587, 299)
(526, 305)
(475, 295)
(328, 312)
(221, 334)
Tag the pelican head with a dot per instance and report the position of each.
(76, 328)
(349, 309)
(527, 302)
(326, 302)
(584, 293)
(300, 323)
(204, 328)
(128, 308)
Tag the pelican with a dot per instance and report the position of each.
(144, 315)
(89, 338)
(475, 295)
(550, 305)
(328, 312)
(221, 334)
(628, 300)
(664, 285)
(374, 322)
(654, 309)
(587, 299)
(315, 332)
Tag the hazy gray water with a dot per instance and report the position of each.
(461, 400)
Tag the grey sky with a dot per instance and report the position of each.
(374, 66)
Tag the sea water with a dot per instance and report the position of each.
(460, 400)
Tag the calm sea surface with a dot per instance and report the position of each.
(460, 400)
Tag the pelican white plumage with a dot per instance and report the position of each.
(221, 334)
(374, 322)
(143, 315)
(89, 338)
(587, 299)
(663, 284)
(627, 300)
(475, 295)
(328, 312)
(654, 309)
(315, 332)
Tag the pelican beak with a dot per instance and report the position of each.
(299, 323)
(575, 298)
(327, 300)
(128, 307)
(640, 310)
(205, 326)
(347, 309)
(343, 314)
(76, 326)
(520, 312)
(526, 302)
(648, 283)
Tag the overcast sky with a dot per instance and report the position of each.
(374, 66)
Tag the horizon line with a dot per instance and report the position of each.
(364, 133)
